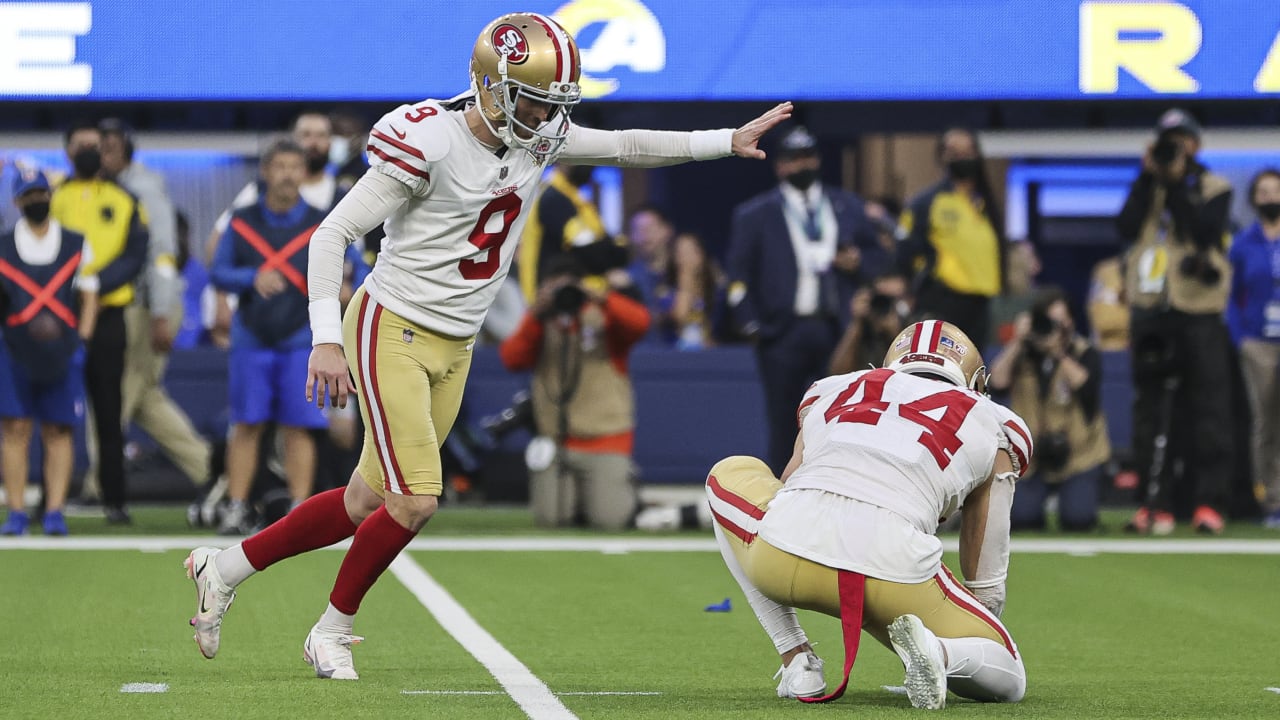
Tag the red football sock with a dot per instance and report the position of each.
(377, 542)
(319, 522)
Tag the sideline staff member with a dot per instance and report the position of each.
(953, 241)
(115, 230)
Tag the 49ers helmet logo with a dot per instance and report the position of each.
(510, 43)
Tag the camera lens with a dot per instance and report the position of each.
(1165, 150)
(568, 300)
(1042, 325)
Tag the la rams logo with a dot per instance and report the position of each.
(630, 36)
(511, 43)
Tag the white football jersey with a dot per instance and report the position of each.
(448, 249)
(914, 446)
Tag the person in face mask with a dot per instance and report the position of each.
(115, 231)
(1253, 315)
(797, 254)
(43, 278)
(952, 240)
(346, 148)
(155, 316)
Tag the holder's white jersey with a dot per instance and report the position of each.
(914, 446)
(448, 249)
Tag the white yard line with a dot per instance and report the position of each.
(499, 692)
(144, 687)
(530, 693)
(622, 545)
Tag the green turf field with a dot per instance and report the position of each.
(1103, 636)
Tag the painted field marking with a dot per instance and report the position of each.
(452, 692)
(144, 687)
(610, 545)
(499, 692)
(1274, 690)
(530, 693)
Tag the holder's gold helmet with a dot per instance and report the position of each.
(530, 55)
(934, 347)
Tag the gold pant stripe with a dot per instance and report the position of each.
(941, 603)
(367, 352)
(409, 382)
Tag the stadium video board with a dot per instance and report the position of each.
(648, 49)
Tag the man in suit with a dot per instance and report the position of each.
(797, 254)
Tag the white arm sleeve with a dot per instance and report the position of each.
(988, 581)
(371, 201)
(644, 148)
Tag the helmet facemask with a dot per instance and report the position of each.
(499, 100)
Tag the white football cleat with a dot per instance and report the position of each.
(802, 678)
(330, 653)
(921, 652)
(213, 597)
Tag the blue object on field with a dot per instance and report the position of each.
(720, 607)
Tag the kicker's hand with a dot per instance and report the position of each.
(747, 137)
(327, 375)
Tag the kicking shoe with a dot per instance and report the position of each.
(329, 653)
(15, 524)
(921, 652)
(1163, 523)
(55, 523)
(213, 597)
(802, 678)
(117, 515)
(1207, 520)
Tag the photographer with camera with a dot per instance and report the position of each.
(878, 313)
(1053, 379)
(576, 338)
(1176, 282)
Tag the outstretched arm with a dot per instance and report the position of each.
(656, 148)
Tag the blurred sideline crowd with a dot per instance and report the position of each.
(101, 267)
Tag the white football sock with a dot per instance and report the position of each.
(984, 670)
(778, 620)
(335, 619)
(233, 567)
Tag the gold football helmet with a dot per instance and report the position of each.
(934, 347)
(530, 55)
